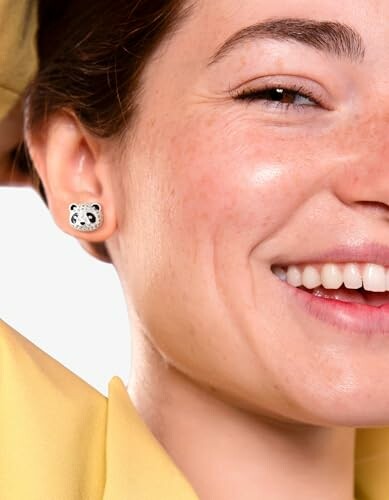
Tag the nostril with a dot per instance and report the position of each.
(376, 207)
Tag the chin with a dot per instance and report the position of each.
(366, 407)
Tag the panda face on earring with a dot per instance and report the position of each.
(85, 216)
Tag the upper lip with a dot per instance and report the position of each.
(375, 253)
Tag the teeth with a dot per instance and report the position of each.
(311, 277)
(293, 276)
(371, 277)
(374, 278)
(281, 273)
(331, 276)
(352, 276)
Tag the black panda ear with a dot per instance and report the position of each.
(96, 206)
(72, 207)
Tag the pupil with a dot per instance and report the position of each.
(281, 95)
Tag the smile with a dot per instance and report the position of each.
(350, 296)
(348, 282)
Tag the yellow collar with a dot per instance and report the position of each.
(61, 439)
(135, 460)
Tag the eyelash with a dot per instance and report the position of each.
(251, 95)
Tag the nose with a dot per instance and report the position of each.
(82, 223)
(361, 178)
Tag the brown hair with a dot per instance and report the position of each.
(92, 53)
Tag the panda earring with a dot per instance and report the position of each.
(85, 216)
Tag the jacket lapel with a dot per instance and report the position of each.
(137, 466)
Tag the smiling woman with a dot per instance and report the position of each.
(238, 153)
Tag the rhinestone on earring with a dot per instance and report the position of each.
(85, 216)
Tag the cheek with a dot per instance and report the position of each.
(218, 189)
(233, 177)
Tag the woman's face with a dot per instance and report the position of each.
(219, 190)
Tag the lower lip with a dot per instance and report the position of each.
(358, 318)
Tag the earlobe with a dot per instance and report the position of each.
(73, 170)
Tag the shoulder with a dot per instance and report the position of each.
(52, 425)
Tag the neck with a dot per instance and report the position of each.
(226, 453)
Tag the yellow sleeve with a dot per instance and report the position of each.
(18, 54)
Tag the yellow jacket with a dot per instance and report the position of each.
(60, 439)
(18, 55)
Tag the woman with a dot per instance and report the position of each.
(238, 155)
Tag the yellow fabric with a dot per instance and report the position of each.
(18, 55)
(60, 439)
(372, 464)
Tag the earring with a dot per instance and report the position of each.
(85, 216)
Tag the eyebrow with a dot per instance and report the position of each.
(335, 38)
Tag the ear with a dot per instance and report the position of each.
(74, 167)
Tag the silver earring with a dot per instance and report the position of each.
(85, 216)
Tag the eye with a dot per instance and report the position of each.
(280, 97)
(74, 218)
(91, 217)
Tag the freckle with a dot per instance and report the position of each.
(355, 179)
(243, 61)
(266, 220)
(152, 122)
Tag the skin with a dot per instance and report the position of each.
(204, 195)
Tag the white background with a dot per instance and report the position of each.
(58, 296)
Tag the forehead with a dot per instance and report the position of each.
(212, 22)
